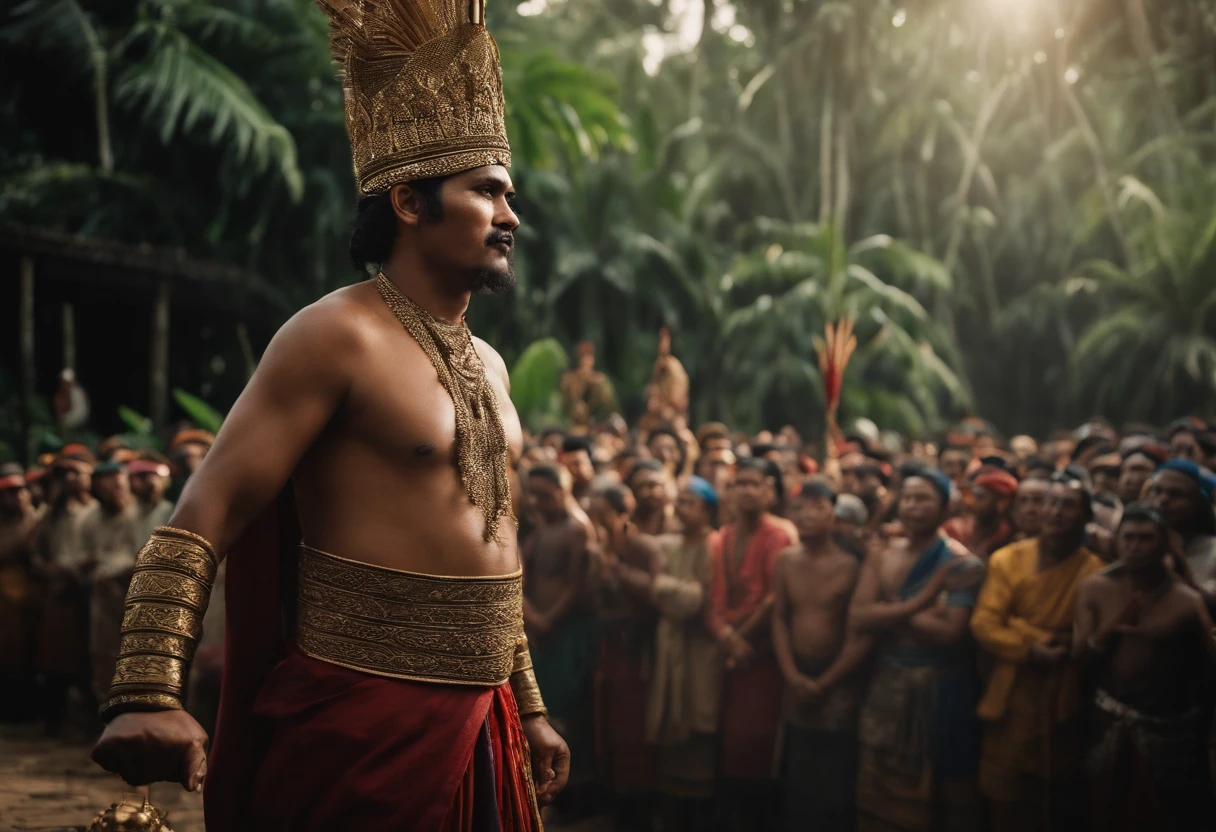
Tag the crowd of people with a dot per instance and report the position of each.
(70, 529)
(753, 632)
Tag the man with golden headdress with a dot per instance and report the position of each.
(376, 672)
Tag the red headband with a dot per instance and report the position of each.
(147, 466)
(12, 481)
(999, 481)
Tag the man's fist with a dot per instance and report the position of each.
(145, 747)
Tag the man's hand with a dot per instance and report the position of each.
(153, 746)
(550, 758)
(738, 652)
(806, 689)
(1047, 654)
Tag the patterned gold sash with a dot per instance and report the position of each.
(461, 631)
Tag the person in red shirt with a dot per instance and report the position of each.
(738, 615)
(988, 526)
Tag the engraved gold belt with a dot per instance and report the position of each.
(462, 631)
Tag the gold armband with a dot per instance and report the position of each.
(523, 682)
(162, 622)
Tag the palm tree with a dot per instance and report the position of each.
(794, 280)
(1151, 355)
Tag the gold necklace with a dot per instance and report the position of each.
(481, 442)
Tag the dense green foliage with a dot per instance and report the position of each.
(1013, 197)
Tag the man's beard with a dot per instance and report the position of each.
(488, 281)
(494, 281)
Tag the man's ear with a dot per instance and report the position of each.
(407, 203)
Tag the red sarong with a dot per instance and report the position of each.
(628, 761)
(751, 715)
(353, 751)
(305, 746)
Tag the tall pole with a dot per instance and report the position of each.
(69, 336)
(159, 372)
(28, 368)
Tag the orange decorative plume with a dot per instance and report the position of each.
(835, 350)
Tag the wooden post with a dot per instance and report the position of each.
(159, 370)
(28, 367)
(69, 336)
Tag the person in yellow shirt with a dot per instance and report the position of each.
(1030, 764)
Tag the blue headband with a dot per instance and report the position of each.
(938, 480)
(704, 490)
(1202, 476)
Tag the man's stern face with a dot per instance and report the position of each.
(475, 235)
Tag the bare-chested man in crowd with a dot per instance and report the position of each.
(812, 585)
(1147, 633)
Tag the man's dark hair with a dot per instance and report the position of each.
(546, 471)
(948, 448)
(371, 240)
(614, 495)
(666, 431)
(816, 490)
(1035, 463)
(1077, 478)
(551, 431)
(870, 469)
(752, 463)
(572, 444)
(1144, 512)
(640, 466)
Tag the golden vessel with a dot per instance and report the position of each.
(131, 814)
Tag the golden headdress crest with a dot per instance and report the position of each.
(423, 88)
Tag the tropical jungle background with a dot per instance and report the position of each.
(1014, 198)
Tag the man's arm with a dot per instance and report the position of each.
(781, 627)
(1085, 620)
(576, 571)
(869, 614)
(941, 626)
(990, 623)
(301, 382)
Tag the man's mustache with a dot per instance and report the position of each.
(504, 237)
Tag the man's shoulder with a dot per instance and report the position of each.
(1011, 556)
(346, 314)
(492, 360)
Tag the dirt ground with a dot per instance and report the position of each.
(52, 786)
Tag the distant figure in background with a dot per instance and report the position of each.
(851, 518)
(1031, 765)
(918, 736)
(668, 448)
(1149, 639)
(738, 615)
(70, 403)
(1028, 508)
(576, 456)
(63, 655)
(652, 487)
(111, 535)
(812, 587)
(667, 393)
(19, 591)
(186, 451)
(1139, 465)
(149, 482)
(557, 621)
(586, 392)
(686, 680)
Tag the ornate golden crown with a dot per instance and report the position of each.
(423, 88)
